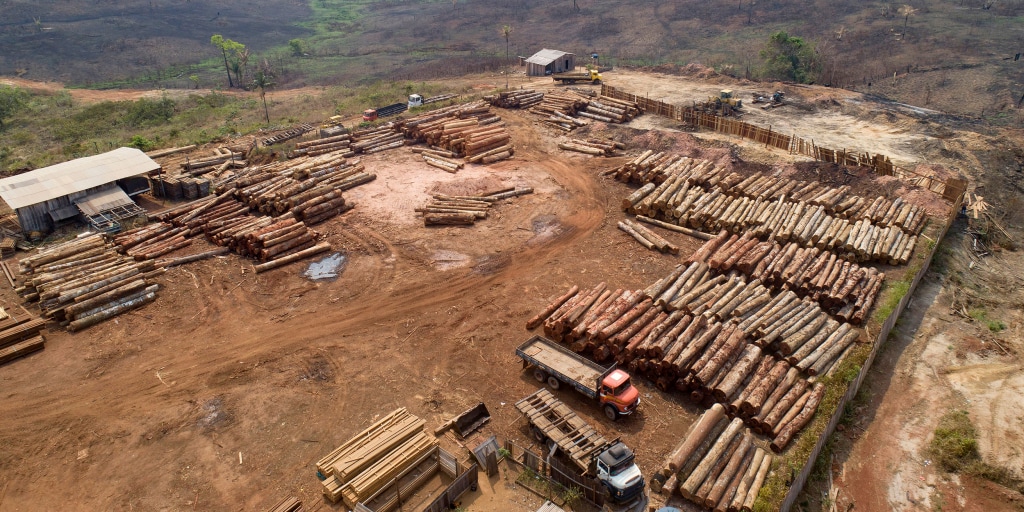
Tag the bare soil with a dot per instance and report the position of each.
(223, 393)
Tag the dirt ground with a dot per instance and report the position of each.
(224, 393)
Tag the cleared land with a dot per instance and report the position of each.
(151, 411)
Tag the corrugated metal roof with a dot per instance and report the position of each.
(103, 200)
(546, 56)
(74, 176)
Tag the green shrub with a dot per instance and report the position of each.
(955, 445)
(141, 142)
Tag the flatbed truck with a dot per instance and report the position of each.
(556, 365)
(590, 75)
(610, 461)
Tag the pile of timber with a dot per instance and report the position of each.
(152, 241)
(524, 98)
(20, 335)
(837, 201)
(682, 191)
(467, 131)
(85, 281)
(567, 102)
(374, 457)
(289, 504)
(717, 465)
(593, 147)
(324, 145)
(648, 238)
(445, 210)
(220, 157)
(846, 290)
(6, 269)
(276, 241)
(180, 186)
(440, 158)
(564, 122)
(609, 110)
(289, 134)
(375, 140)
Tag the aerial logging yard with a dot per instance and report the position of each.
(712, 289)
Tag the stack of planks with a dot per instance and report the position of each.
(220, 156)
(289, 504)
(445, 210)
(524, 98)
(289, 134)
(20, 335)
(85, 281)
(6, 269)
(324, 145)
(685, 192)
(717, 465)
(370, 460)
(593, 147)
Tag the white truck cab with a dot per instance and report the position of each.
(617, 469)
(415, 100)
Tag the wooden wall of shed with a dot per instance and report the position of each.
(36, 217)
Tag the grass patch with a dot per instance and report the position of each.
(955, 449)
(981, 316)
(892, 294)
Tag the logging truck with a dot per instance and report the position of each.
(555, 365)
(590, 75)
(611, 461)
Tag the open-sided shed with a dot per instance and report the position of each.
(43, 197)
(546, 62)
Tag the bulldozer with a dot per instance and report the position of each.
(725, 104)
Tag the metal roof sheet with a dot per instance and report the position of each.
(546, 56)
(74, 176)
(103, 200)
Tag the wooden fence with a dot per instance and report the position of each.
(461, 484)
(950, 189)
(593, 492)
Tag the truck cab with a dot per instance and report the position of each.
(618, 395)
(370, 114)
(415, 100)
(616, 467)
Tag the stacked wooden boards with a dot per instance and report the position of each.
(371, 460)
(19, 335)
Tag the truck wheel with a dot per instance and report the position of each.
(611, 412)
(554, 383)
(540, 375)
(538, 434)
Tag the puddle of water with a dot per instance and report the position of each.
(326, 269)
(447, 260)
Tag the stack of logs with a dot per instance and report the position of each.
(325, 145)
(593, 147)
(686, 192)
(524, 98)
(564, 122)
(85, 281)
(846, 290)
(276, 241)
(20, 334)
(466, 131)
(376, 139)
(445, 210)
(569, 104)
(717, 464)
(648, 238)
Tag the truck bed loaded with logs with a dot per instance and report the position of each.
(556, 365)
(611, 461)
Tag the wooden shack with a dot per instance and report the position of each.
(546, 62)
(91, 188)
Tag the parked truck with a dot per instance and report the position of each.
(610, 461)
(373, 114)
(556, 365)
(590, 75)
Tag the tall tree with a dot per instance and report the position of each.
(262, 80)
(906, 11)
(506, 30)
(227, 46)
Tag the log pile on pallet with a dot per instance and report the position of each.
(445, 210)
(368, 462)
(289, 134)
(524, 98)
(85, 281)
(686, 192)
(20, 334)
(718, 464)
(593, 147)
